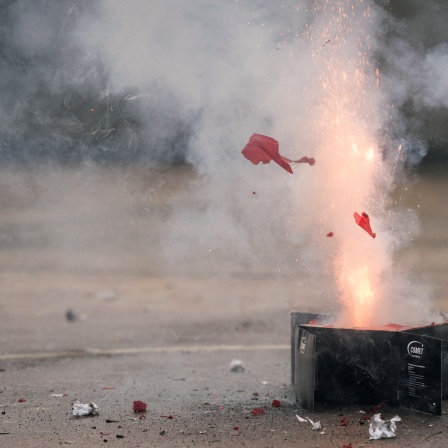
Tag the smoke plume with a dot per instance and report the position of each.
(167, 82)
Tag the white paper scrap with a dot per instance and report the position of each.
(383, 429)
(236, 366)
(82, 409)
(300, 419)
(314, 425)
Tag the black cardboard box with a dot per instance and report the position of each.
(400, 366)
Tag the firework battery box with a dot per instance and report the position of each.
(400, 366)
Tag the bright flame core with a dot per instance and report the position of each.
(359, 297)
(347, 120)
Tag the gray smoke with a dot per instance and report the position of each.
(104, 81)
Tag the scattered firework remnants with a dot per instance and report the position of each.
(262, 148)
(258, 411)
(383, 429)
(310, 160)
(84, 409)
(363, 221)
(139, 406)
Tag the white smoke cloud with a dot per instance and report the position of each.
(290, 71)
(237, 69)
(200, 77)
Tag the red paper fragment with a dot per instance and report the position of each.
(276, 403)
(254, 192)
(139, 406)
(363, 221)
(305, 159)
(343, 422)
(21, 400)
(168, 417)
(262, 148)
(236, 428)
(142, 417)
(347, 446)
(330, 234)
(257, 411)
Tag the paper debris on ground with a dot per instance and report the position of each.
(383, 429)
(83, 409)
(257, 411)
(314, 425)
(139, 406)
(236, 366)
